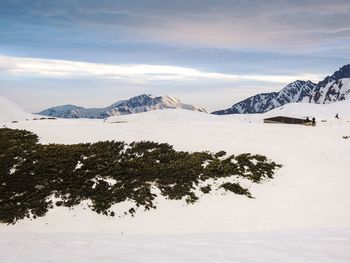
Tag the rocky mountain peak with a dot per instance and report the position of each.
(343, 72)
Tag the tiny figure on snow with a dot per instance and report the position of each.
(337, 116)
(307, 120)
(313, 121)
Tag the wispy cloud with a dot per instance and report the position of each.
(276, 23)
(49, 68)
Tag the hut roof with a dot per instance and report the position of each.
(285, 119)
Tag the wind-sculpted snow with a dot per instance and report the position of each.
(35, 178)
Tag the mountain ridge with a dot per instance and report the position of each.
(140, 103)
(331, 89)
(263, 102)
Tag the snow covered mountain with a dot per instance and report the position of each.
(333, 88)
(296, 91)
(141, 103)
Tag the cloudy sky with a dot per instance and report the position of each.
(210, 53)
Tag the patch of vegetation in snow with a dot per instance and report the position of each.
(35, 177)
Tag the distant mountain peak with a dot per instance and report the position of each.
(140, 103)
(343, 72)
(333, 88)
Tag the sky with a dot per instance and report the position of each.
(209, 53)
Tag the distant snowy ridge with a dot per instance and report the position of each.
(141, 103)
(10, 111)
(333, 88)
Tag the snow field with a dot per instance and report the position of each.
(300, 216)
(309, 191)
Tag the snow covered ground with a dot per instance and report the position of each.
(309, 195)
(309, 191)
(323, 246)
(319, 111)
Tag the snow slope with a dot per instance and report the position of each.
(9, 111)
(310, 191)
(319, 111)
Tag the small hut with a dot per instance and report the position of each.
(285, 120)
